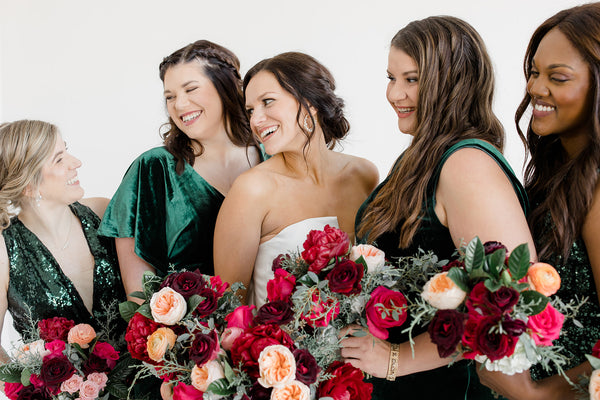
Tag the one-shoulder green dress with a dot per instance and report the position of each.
(459, 381)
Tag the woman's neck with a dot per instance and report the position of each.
(312, 162)
(50, 223)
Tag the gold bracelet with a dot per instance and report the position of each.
(393, 362)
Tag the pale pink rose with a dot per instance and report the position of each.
(99, 378)
(228, 337)
(82, 334)
(203, 376)
(27, 350)
(295, 390)
(442, 293)
(166, 391)
(545, 326)
(168, 307)
(72, 385)
(276, 365)
(89, 390)
(374, 257)
(159, 342)
(594, 387)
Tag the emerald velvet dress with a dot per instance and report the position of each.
(38, 287)
(459, 381)
(172, 217)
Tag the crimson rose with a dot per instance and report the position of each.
(453, 263)
(321, 246)
(138, 330)
(11, 390)
(491, 342)
(204, 348)
(385, 309)
(276, 312)
(490, 247)
(481, 301)
(218, 285)
(446, 329)
(34, 393)
(55, 370)
(241, 317)
(208, 305)
(106, 351)
(185, 283)
(307, 368)
(505, 298)
(347, 383)
(596, 350)
(281, 286)
(345, 277)
(56, 328)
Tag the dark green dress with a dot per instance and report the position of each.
(459, 381)
(172, 217)
(37, 282)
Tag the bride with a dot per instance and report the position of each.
(304, 185)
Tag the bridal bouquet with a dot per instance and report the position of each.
(594, 384)
(494, 309)
(67, 361)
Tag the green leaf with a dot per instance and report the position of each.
(192, 303)
(361, 260)
(460, 277)
(519, 287)
(10, 373)
(127, 309)
(25, 375)
(138, 295)
(495, 262)
(118, 390)
(229, 374)
(145, 311)
(220, 387)
(474, 255)
(518, 262)
(594, 361)
(534, 300)
(492, 285)
(309, 279)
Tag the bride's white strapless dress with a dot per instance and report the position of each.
(288, 240)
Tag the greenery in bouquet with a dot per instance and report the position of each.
(65, 361)
(495, 309)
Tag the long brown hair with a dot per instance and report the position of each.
(455, 93)
(563, 187)
(222, 67)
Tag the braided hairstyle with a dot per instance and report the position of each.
(311, 84)
(221, 66)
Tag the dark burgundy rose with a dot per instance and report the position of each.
(276, 312)
(492, 343)
(56, 328)
(307, 369)
(95, 364)
(204, 348)
(505, 298)
(55, 370)
(345, 277)
(514, 327)
(259, 392)
(481, 301)
(446, 330)
(453, 263)
(185, 283)
(490, 247)
(347, 383)
(34, 393)
(277, 262)
(208, 305)
(596, 350)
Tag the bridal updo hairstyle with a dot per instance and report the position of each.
(311, 84)
(222, 67)
(455, 94)
(24, 148)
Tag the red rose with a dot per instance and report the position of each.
(545, 326)
(56, 347)
(136, 336)
(384, 310)
(95, 364)
(596, 350)
(11, 390)
(247, 347)
(56, 328)
(454, 263)
(505, 298)
(278, 261)
(345, 277)
(281, 286)
(446, 330)
(55, 370)
(490, 247)
(307, 369)
(106, 351)
(204, 348)
(323, 310)
(259, 392)
(347, 383)
(491, 343)
(481, 301)
(275, 312)
(208, 305)
(513, 327)
(321, 246)
(186, 392)
(469, 339)
(218, 285)
(185, 283)
(34, 393)
(241, 317)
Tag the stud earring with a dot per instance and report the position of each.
(306, 127)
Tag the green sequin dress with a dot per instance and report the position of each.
(37, 282)
(459, 381)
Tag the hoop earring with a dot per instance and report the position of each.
(306, 127)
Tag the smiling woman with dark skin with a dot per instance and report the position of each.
(562, 67)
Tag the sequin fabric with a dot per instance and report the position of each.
(37, 283)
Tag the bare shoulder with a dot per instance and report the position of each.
(471, 165)
(361, 170)
(97, 204)
(254, 183)
(3, 265)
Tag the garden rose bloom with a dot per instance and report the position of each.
(281, 286)
(545, 326)
(27, 350)
(72, 384)
(241, 317)
(204, 348)
(186, 392)
(345, 277)
(56, 347)
(294, 390)
(442, 293)
(491, 343)
(82, 334)
(99, 378)
(374, 257)
(138, 330)
(56, 328)
(159, 342)
(321, 246)
(107, 352)
(208, 305)
(276, 366)
(89, 390)
(385, 309)
(276, 312)
(185, 283)
(55, 370)
(229, 336)
(307, 368)
(480, 301)
(218, 285)
(323, 310)
(11, 390)
(168, 307)
(594, 387)
(543, 278)
(446, 330)
(347, 383)
(596, 350)
(203, 376)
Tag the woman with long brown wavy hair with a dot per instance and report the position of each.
(451, 184)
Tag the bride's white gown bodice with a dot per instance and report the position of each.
(288, 240)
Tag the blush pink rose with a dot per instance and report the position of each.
(281, 286)
(228, 337)
(241, 317)
(72, 385)
(82, 334)
(276, 366)
(168, 307)
(89, 390)
(374, 257)
(385, 309)
(295, 390)
(99, 378)
(545, 326)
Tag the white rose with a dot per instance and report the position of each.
(374, 257)
(442, 293)
(33, 349)
(168, 307)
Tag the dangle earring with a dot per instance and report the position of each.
(38, 198)
(306, 127)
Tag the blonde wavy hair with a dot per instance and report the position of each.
(25, 146)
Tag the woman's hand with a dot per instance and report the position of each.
(364, 351)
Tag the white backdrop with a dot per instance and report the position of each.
(91, 67)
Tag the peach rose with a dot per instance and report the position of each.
(89, 390)
(594, 387)
(543, 278)
(295, 390)
(203, 376)
(442, 293)
(168, 307)
(99, 378)
(72, 385)
(82, 334)
(166, 391)
(374, 257)
(276, 365)
(159, 342)
(29, 349)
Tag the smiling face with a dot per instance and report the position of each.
(59, 181)
(403, 88)
(559, 84)
(272, 112)
(193, 102)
